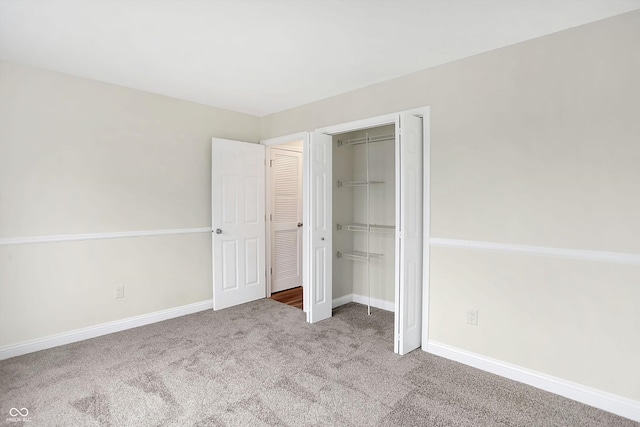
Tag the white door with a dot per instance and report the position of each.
(238, 220)
(408, 295)
(286, 219)
(318, 223)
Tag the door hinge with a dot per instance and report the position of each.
(270, 217)
(272, 271)
(270, 163)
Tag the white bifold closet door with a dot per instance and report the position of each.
(286, 219)
(319, 228)
(238, 220)
(408, 295)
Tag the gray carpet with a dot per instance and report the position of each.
(260, 364)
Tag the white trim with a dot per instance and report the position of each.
(99, 236)
(385, 119)
(613, 257)
(377, 303)
(337, 302)
(306, 219)
(267, 219)
(300, 136)
(426, 223)
(600, 399)
(285, 147)
(362, 299)
(102, 329)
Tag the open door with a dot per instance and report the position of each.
(318, 233)
(408, 300)
(238, 221)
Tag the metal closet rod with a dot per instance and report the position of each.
(364, 139)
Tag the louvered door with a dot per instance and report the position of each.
(286, 219)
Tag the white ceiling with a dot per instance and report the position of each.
(264, 56)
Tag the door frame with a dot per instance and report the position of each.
(387, 119)
(274, 142)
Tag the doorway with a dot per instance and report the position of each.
(285, 223)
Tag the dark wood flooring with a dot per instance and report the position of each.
(292, 297)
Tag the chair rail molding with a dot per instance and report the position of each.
(580, 254)
(99, 236)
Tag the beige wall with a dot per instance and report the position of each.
(79, 156)
(533, 144)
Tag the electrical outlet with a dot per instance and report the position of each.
(120, 291)
(472, 316)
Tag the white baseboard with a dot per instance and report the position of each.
(377, 303)
(342, 301)
(361, 299)
(106, 328)
(600, 399)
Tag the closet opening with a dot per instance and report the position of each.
(364, 218)
(284, 231)
(365, 210)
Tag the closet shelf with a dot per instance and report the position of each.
(358, 255)
(364, 140)
(357, 183)
(373, 228)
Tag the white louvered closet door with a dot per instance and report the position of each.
(286, 219)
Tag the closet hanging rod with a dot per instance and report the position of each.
(363, 140)
(357, 255)
(357, 183)
(374, 228)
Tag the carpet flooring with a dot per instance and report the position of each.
(261, 364)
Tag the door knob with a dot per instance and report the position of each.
(299, 224)
(218, 231)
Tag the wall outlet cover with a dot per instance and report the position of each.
(472, 316)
